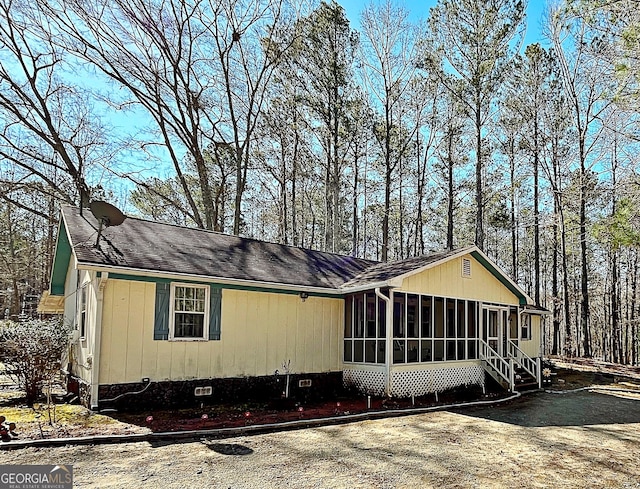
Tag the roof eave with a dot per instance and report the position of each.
(247, 283)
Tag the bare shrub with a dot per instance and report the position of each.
(31, 352)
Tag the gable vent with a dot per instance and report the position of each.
(466, 267)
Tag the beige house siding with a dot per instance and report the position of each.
(532, 347)
(82, 347)
(446, 280)
(259, 331)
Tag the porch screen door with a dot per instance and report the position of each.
(494, 328)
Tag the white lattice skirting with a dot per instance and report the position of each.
(366, 381)
(414, 382)
(420, 382)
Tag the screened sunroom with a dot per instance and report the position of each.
(402, 343)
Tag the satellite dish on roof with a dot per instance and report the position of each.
(107, 215)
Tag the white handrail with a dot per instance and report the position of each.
(500, 365)
(525, 361)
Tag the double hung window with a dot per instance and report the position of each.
(189, 313)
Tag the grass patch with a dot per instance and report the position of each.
(65, 414)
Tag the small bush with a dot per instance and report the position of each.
(31, 352)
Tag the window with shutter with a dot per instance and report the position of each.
(187, 312)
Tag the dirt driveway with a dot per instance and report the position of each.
(579, 440)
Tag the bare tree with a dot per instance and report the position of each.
(198, 69)
(388, 53)
(584, 80)
(472, 43)
(50, 135)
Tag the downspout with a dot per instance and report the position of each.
(97, 342)
(389, 338)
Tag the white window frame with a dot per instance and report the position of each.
(172, 312)
(525, 327)
(83, 303)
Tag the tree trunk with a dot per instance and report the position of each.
(450, 196)
(479, 187)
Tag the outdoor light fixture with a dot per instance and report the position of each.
(304, 296)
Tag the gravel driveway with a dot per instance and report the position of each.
(579, 440)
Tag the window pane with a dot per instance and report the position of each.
(451, 350)
(412, 351)
(412, 316)
(438, 350)
(398, 351)
(188, 325)
(460, 319)
(359, 316)
(358, 346)
(426, 317)
(348, 353)
(471, 346)
(371, 316)
(348, 317)
(370, 351)
(382, 319)
(471, 320)
(427, 347)
(461, 355)
(451, 318)
(439, 317)
(382, 358)
(398, 316)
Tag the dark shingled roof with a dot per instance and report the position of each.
(381, 272)
(153, 246)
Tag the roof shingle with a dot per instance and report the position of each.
(151, 246)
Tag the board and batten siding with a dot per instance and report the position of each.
(83, 347)
(532, 347)
(259, 331)
(446, 280)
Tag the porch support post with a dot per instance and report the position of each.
(539, 371)
(512, 381)
(389, 338)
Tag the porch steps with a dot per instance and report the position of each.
(524, 381)
(495, 375)
(516, 372)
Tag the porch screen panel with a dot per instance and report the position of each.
(365, 329)
(399, 328)
(412, 316)
(438, 318)
(426, 328)
(358, 330)
(461, 319)
(382, 319)
(348, 317)
(370, 330)
(472, 330)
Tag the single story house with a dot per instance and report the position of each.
(168, 314)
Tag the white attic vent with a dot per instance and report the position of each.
(203, 391)
(466, 267)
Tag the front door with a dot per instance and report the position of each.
(495, 328)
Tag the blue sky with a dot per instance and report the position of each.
(420, 10)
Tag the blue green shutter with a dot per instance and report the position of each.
(214, 313)
(161, 325)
